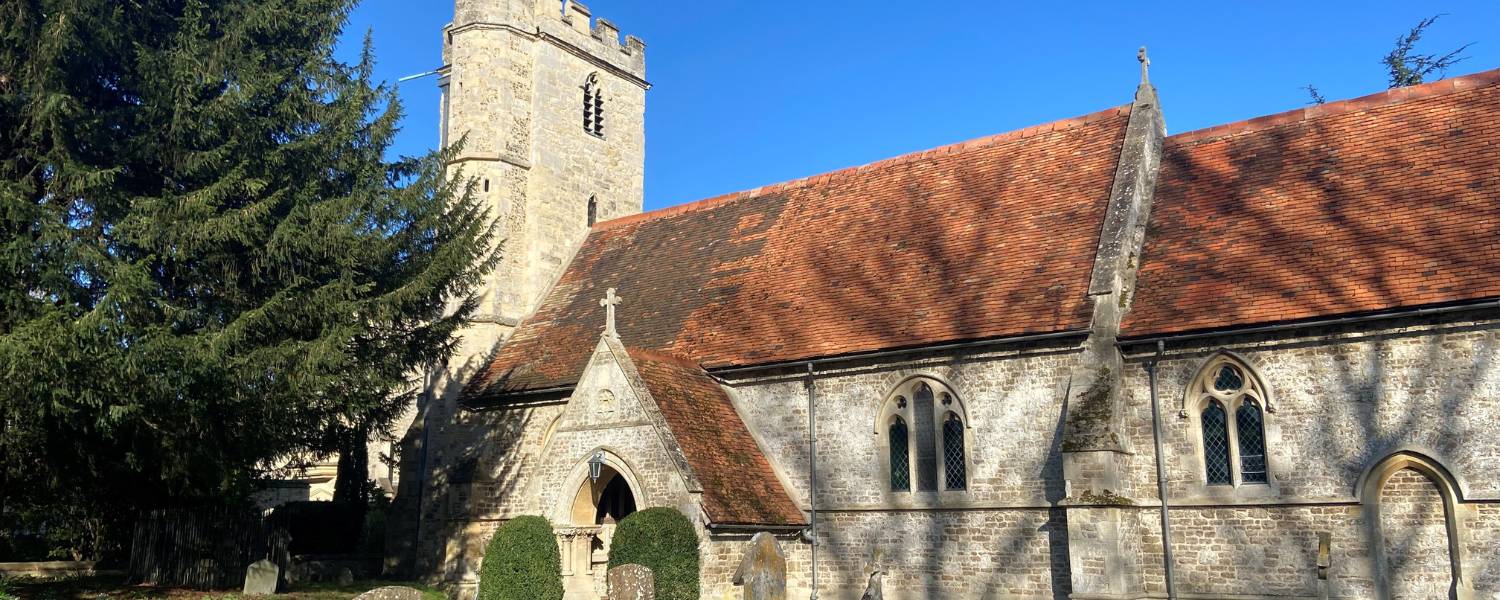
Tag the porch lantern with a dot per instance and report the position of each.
(596, 466)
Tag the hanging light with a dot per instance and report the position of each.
(596, 466)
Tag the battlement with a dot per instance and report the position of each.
(597, 35)
(566, 21)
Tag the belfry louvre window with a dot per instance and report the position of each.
(593, 106)
(1232, 403)
(926, 438)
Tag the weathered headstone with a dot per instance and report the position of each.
(260, 578)
(873, 588)
(391, 592)
(762, 571)
(632, 582)
(346, 577)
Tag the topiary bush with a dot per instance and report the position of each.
(521, 562)
(663, 540)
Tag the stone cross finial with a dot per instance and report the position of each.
(609, 302)
(1145, 65)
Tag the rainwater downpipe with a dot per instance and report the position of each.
(812, 476)
(1161, 475)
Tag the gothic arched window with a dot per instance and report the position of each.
(926, 438)
(900, 456)
(955, 466)
(593, 215)
(1216, 445)
(593, 106)
(1234, 449)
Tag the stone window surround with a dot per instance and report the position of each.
(890, 409)
(1196, 397)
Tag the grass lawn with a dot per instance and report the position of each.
(111, 588)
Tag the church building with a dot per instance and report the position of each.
(1087, 359)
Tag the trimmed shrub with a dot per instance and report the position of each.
(663, 540)
(521, 562)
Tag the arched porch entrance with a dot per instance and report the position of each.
(587, 523)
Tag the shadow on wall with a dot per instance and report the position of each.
(457, 465)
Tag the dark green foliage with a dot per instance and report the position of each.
(522, 562)
(663, 540)
(1406, 67)
(207, 264)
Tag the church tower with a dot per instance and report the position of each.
(550, 106)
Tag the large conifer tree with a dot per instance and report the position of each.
(207, 265)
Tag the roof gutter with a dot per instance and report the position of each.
(716, 373)
(752, 528)
(901, 352)
(1378, 316)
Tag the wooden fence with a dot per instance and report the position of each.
(202, 548)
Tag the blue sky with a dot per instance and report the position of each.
(751, 93)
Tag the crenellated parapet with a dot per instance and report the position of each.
(576, 26)
(570, 25)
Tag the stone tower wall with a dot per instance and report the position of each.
(513, 94)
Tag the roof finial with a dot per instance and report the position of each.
(1145, 65)
(609, 302)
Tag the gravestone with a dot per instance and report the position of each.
(390, 592)
(260, 578)
(762, 571)
(873, 589)
(346, 577)
(632, 582)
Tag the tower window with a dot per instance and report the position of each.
(593, 210)
(593, 106)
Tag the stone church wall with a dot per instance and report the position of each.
(1000, 538)
(1343, 400)
(721, 555)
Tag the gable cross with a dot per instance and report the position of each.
(1145, 65)
(609, 302)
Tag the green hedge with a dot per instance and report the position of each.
(522, 563)
(662, 539)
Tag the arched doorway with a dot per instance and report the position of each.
(603, 501)
(1414, 528)
(1415, 531)
(588, 524)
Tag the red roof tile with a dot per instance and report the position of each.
(1386, 201)
(989, 238)
(739, 487)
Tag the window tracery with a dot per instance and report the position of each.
(926, 438)
(1232, 402)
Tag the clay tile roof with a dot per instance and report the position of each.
(1386, 201)
(989, 238)
(739, 487)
